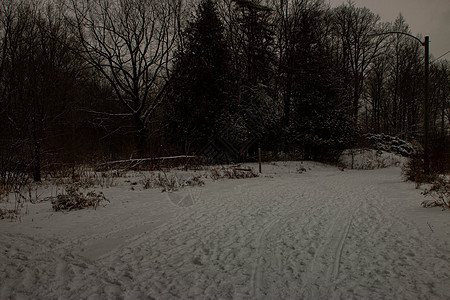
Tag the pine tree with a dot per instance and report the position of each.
(200, 100)
(319, 122)
(254, 58)
(257, 42)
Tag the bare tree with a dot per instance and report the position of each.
(376, 109)
(300, 27)
(37, 79)
(359, 47)
(131, 43)
(440, 73)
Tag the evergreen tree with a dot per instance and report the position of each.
(257, 42)
(200, 101)
(317, 118)
(253, 41)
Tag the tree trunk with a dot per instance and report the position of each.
(37, 162)
(141, 138)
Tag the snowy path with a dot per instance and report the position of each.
(324, 234)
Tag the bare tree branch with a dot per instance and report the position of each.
(131, 43)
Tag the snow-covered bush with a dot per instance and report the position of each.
(16, 192)
(169, 182)
(236, 172)
(368, 159)
(194, 181)
(12, 181)
(73, 199)
(7, 213)
(301, 169)
(413, 171)
(381, 151)
(440, 192)
(391, 144)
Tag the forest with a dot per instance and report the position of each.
(85, 81)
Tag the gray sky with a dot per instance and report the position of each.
(425, 17)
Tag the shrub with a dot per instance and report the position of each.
(9, 214)
(22, 195)
(12, 176)
(413, 171)
(194, 181)
(74, 200)
(368, 159)
(170, 182)
(301, 169)
(233, 172)
(391, 144)
(440, 192)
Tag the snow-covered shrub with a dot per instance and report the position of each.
(391, 144)
(194, 181)
(381, 151)
(232, 172)
(170, 182)
(301, 169)
(8, 213)
(12, 181)
(215, 173)
(73, 199)
(148, 182)
(15, 195)
(12, 178)
(14, 210)
(368, 159)
(413, 171)
(440, 192)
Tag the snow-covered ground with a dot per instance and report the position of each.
(319, 234)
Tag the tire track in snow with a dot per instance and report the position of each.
(338, 253)
(283, 254)
(324, 266)
(258, 269)
(268, 267)
(336, 220)
(297, 217)
(390, 249)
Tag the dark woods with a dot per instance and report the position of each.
(84, 81)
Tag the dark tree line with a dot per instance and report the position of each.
(83, 80)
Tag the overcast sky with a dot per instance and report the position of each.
(425, 17)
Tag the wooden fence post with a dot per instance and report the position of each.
(259, 159)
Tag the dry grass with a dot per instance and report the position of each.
(169, 182)
(231, 172)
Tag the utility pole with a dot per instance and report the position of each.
(426, 122)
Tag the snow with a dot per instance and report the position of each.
(318, 234)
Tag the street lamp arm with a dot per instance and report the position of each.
(426, 45)
(398, 32)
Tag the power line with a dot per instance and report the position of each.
(441, 56)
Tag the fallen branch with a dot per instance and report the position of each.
(139, 160)
(242, 169)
